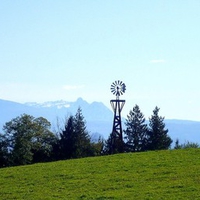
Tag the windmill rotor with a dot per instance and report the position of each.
(118, 88)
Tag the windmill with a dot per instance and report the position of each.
(117, 88)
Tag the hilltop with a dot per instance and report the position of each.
(169, 174)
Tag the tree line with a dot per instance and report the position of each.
(138, 136)
(28, 140)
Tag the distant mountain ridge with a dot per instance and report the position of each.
(98, 117)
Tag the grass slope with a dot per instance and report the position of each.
(173, 174)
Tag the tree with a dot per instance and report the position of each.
(18, 132)
(4, 153)
(108, 147)
(157, 134)
(97, 147)
(82, 145)
(136, 131)
(74, 139)
(67, 139)
(29, 139)
(43, 140)
(113, 144)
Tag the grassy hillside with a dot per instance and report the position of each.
(173, 174)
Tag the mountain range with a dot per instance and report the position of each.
(99, 118)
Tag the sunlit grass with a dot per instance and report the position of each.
(173, 174)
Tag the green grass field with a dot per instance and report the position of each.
(171, 174)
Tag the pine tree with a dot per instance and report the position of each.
(136, 131)
(74, 139)
(82, 144)
(157, 134)
(67, 139)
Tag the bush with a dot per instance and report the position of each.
(186, 145)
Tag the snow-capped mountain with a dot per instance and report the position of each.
(58, 104)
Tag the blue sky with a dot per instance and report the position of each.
(52, 50)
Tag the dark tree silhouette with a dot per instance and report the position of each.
(82, 144)
(157, 134)
(67, 139)
(4, 151)
(74, 139)
(136, 131)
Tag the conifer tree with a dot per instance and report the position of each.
(157, 134)
(136, 131)
(74, 139)
(82, 144)
(67, 139)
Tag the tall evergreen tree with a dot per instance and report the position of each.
(74, 139)
(82, 144)
(67, 139)
(157, 134)
(136, 131)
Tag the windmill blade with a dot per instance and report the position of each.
(113, 85)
